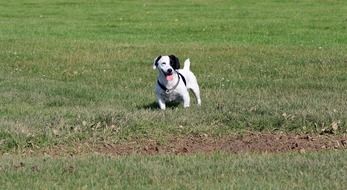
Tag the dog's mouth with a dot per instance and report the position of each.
(168, 76)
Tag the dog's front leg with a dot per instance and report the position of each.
(186, 99)
(161, 103)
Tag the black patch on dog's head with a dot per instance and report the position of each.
(156, 60)
(174, 62)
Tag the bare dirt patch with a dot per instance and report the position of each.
(250, 142)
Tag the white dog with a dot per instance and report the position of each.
(173, 83)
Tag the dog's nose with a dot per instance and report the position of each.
(169, 70)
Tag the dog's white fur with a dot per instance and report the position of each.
(180, 93)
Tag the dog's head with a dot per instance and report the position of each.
(166, 65)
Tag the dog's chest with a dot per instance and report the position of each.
(172, 96)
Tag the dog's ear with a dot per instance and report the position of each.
(155, 63)
(174, 62)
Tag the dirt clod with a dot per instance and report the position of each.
(302, 151)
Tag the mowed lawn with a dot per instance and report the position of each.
(81, 71)
(218, 171)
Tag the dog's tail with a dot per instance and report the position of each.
(186, 64)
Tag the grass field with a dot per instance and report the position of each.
(77, 71)
(218, 171)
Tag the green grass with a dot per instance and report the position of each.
(76, 71)
(70, 70)
(218, 171)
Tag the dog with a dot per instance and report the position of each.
(173, 83)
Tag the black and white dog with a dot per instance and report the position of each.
(173, 83)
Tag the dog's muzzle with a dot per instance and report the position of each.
(168, 74)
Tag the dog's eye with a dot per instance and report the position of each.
(163, 63)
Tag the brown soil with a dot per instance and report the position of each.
(251, 142)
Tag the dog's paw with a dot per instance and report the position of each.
(199, 102)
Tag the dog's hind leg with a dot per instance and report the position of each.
(196, 92)
(186, 99)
